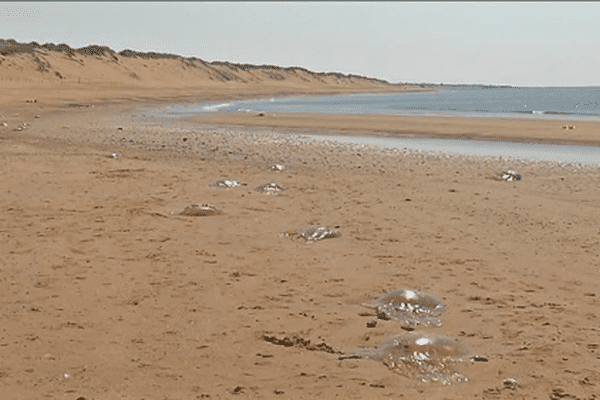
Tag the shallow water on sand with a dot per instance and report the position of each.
(528, 103)
(572, 154)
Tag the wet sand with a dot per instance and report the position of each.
(106, 294)
(497, 129)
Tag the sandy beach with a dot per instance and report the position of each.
(108, 293)
(496, 129)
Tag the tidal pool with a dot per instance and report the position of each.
(572, 154)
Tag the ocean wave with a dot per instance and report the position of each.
(526, 112)
(539, 112)
(555, 113)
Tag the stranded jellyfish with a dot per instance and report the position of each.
(114, 154)
(199, 210)
(426, 357)
(225, 184)
(270, 187)
(409, 307)
(509, 176)
(312, 233)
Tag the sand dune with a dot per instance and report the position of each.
(51, 67)
(59, 74)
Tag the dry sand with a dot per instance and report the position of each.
(106, 294)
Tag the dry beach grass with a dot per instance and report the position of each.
(106, 294)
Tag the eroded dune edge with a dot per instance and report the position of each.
(109, 292)
(53, 72)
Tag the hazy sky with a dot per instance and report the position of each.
(527, 44)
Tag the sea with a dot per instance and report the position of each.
(569, 103)
(545, 103)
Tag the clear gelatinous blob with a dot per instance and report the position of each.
(510, 176)
(270, 187)
(312, 233)
(409, 307)
(277, 167)
(114, 154)
(425, 357)
(199, 210)
(510, 383)
(225, 183)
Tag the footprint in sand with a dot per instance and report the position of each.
(199, 210)
(409, 307)
(313, 233)
(426, 357)
(270, 188)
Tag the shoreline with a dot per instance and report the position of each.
(439, 127)
(167, 134)
(539, 131)
(55, 94)
(163, 134)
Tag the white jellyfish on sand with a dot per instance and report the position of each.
(313, 233)
(225, 183)
(426, 357)
(199, 210)
(270, 188)
(508, 176)
(410, 307)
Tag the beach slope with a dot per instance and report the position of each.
(108, 292)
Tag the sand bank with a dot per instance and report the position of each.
(497, 129)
